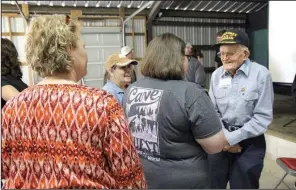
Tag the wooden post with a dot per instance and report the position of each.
(75, 14)
(121, 14)
(25, 9)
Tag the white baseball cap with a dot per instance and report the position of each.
(188, 45)
(125, 50)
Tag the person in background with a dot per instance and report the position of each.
(173, 121)
(218, 62)
(119, 70)
(59, 134)
(11, 73)
(242, 93)
(195, 72)
(196, 53)
(128, 52)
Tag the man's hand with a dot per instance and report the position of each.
(233, 149)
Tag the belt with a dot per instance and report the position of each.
(230, 127)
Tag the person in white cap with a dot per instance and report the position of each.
(119, 69)
(127, 52)
(195, 72)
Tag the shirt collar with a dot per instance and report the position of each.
(114, 86)
(245, 68)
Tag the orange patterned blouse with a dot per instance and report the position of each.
(67, 136)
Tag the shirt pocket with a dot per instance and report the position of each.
(250, 99)
(221, 99)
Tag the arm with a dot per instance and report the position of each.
(9, 92)
(200, 75)
(262, 115)
(206, 126)
(124, 163)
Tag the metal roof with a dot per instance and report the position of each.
(230, 6)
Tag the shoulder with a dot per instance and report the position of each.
(109, 89)
(191, 90)
(260, 69)
(217, 72)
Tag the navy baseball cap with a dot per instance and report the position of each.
(234, 36)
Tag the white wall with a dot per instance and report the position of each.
(282, 40)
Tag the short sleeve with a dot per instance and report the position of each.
(124, 162)
(203, 117)
(4, 81)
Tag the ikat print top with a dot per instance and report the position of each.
(67, 136)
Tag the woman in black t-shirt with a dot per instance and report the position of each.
(11, 74)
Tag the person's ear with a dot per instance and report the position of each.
(246, 54)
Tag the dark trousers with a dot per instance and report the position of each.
(242, 170)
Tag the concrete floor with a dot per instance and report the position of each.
(280, 142)
(272, 174)
(284, 111)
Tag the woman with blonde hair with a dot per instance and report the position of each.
(60, 134)
(173, 121)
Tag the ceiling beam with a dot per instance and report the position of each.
(34, 9)
(201, 14)
(154, 10)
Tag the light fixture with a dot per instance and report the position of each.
(253, 8)
(140, 4)
(109, 4)
(63, 3)
(119, 5)
(169, 5)
(230, 6)
(98, 4)
(196, 6)
(12, 2)
(130, 5)
(245, 7)
(177, 8)
(205, 6)
(214, 6)
(51, 3)
(38, 3)
(86, 4)
(222, 6)
(185, 8)
(26, 2)
(237, 7)
(74, 4)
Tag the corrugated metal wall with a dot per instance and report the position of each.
(196, 35)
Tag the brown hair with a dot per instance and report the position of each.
(164, 58)
(47, 42)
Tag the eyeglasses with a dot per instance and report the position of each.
(229, 54)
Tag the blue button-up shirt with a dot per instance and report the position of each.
(113, 89)
(246, 100)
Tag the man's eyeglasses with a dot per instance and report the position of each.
(229, 54)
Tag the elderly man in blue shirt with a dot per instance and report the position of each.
(242, 93)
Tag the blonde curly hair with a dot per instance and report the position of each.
(47, 41)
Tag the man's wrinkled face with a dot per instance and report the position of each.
(233, 56)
